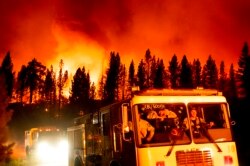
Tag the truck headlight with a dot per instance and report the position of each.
(43, 150)
(63, 144)
(63, 148)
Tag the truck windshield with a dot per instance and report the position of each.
(209, 122)
(161, 124)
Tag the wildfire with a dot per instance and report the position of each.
(76, 50)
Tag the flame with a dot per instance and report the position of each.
(77, 51)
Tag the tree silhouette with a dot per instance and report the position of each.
(111, 85)
(35, 77)
(122, 83)
(86, 88)
(242, 105)
(222, 83)
(153, 69)
(196, 72)
(101, 93)
(231, 91)
(243, 74)
(61, 82)
(92, 92)
(159, 74)
(141, 75)
(131, 76)
(148, 58)
(210, 74)
(80, 88)
(50, 88)
(131, 79)
(186, 74)
(174, 71)
(7, 72)
(21, 83)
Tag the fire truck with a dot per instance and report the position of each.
(112, 135)
(46, 143)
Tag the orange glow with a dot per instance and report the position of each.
(84, 33)
(76, 51)
(18, 151)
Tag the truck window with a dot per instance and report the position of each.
(78, 143)
(106, 124)
(215, 127)
(165, 120)
(212, 113)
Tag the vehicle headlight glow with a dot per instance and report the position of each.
(63, 144)
(43, 150)
(63, 148)
(52, 151)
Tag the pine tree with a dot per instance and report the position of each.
(159, 74)
(21, 83)
(222, 78)
(231, 92)
(131, 79)
(86, 87)
(196, 72)
(61, 82)
(76, 88)
(35, 77)
(81, 90)
(131, 76)
(174, 71)
(122, 83)
(111, 85)
(101, 90)
(141, 75)
(148, 58)
(210, 74)
(243, 74)
(186, 74)
(49, 86)
(92, 92)
(153, 70)
(7, 70)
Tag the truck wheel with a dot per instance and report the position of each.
(114, 163)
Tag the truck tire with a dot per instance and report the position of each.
(114, 163)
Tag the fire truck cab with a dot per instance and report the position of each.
(112, 135)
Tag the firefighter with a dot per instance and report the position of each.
(78, 159)
(146, 130)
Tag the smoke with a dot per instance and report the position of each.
(47, 30)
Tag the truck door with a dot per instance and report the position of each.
(107, 135)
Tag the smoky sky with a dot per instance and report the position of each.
(36, 28)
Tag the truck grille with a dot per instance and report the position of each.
(194, 158)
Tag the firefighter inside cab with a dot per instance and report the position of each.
(198, 124)
(155, 124)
